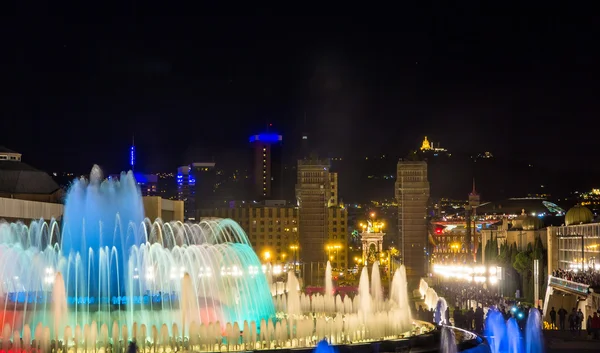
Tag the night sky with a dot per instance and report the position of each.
(80, 82)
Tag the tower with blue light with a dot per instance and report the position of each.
(132, 154)
(262, 145)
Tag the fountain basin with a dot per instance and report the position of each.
(429, 342)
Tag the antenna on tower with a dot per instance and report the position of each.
(474, 192)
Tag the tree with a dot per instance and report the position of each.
(523, 263)
(491, 250)
(479, 254)
(504, 255)
(538, 249)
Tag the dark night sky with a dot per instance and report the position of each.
(79, 82)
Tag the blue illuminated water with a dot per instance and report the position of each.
(439, 315)
(324, 347)
(121, 268)
(506, 336)
(514, 338)
(94, 241)
(534, 339)
(495, 331)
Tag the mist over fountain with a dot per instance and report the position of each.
(111, 276)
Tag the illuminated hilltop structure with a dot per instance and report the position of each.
(428, 147)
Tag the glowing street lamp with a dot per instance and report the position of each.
(294, 248)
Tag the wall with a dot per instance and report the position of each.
(24, 210)
(167, 210)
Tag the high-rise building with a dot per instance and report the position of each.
(333, 182)
(313, 192)
(412, 195)
(167, 187)
(263, 146)
(196, 187)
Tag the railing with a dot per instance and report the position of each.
(571, 286)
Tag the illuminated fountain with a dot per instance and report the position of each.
(506, 337)
(111, 276)
(428, 294)
(110, 268)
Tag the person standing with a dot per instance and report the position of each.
(573, 321)
(562, 314)
(479, 319)
(579, 321)
(553, 319)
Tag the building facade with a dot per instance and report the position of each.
(15, 210)
(337, 242)
(313, 192)
(576, 245)
(263, 146)
(412, 195)
(273, 230)
(196, 187)
(167, 210)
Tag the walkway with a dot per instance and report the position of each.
(563, 341)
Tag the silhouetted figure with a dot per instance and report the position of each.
(132, 347)
(573, 321)
(479, 319)
(470, 316)
(562, 314)
(553, 318)
(457, 316)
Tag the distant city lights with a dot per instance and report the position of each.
(477, 274)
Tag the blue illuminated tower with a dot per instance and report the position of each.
(263, 147)
(132, 154)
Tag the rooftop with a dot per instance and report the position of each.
(17, 177)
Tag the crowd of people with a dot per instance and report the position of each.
(575, 320)
(464, 295)
(474, 319)
(590, 277)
